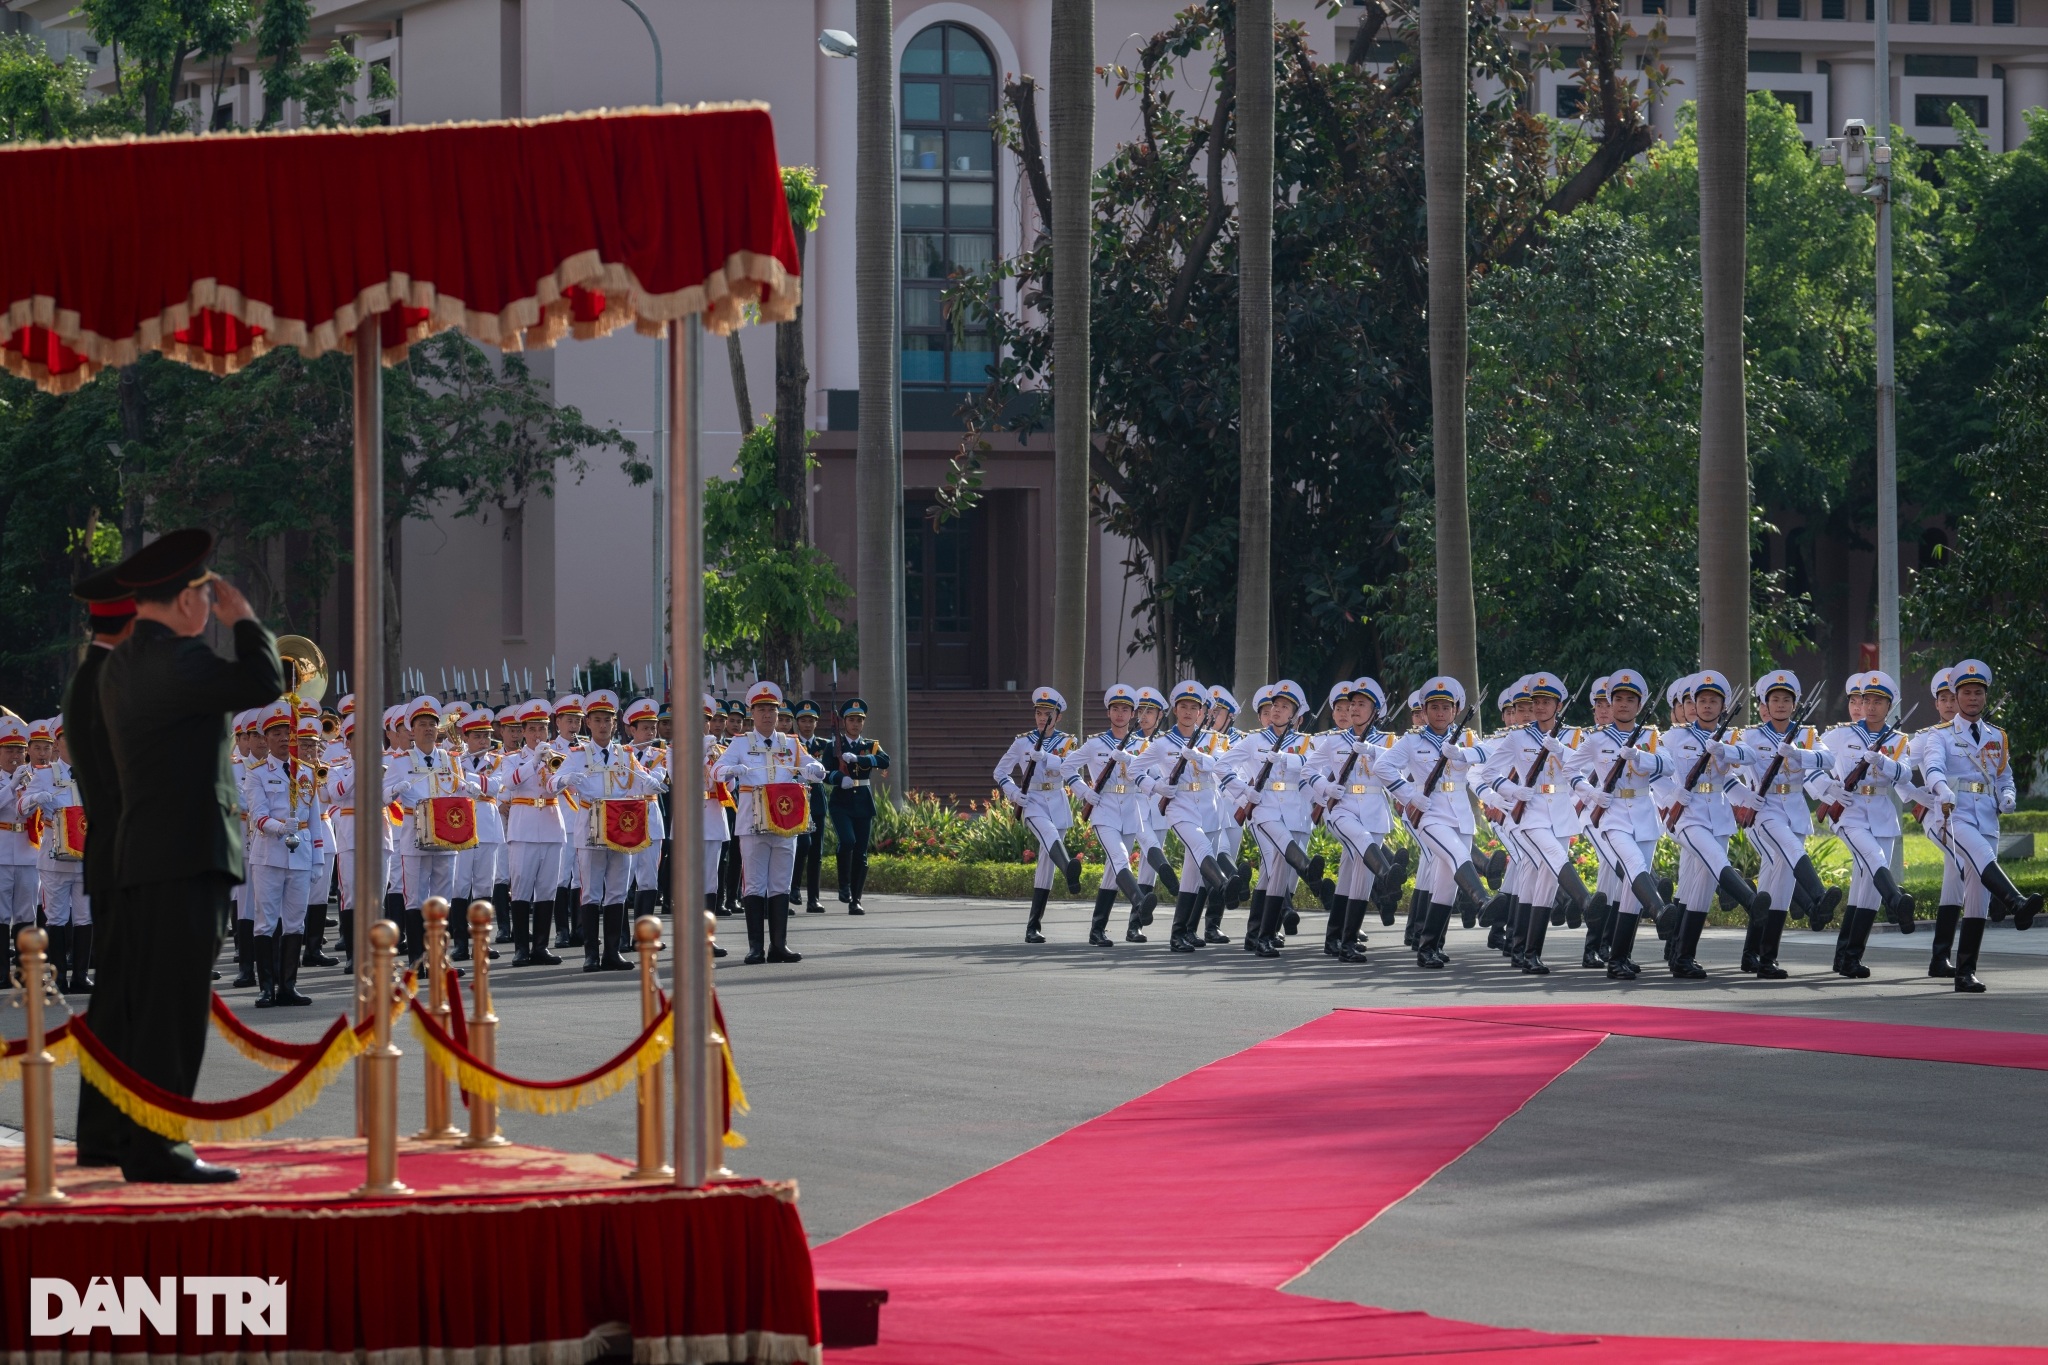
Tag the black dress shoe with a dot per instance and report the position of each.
(856, 909)
(1770, 971)
(1534, 966)
(1427, 959)
(1098, 939)
(1352, 952)
(1621, 969)
(1133, 936)
(1215, 936)
(813, 908)
(755, 958)
(157, 1165)
(1033, 936)
(717, 951)
(1591, 958)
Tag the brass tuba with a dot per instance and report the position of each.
(306, 665)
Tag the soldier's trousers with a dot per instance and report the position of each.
(427, 874)
(713, 848)
(1969, 853)
(281, 895)
(1778, 849)
(603, 874)
(534, 869)
(1354, 879)
(64, 898)
(1867, 853)
(154, 991)
(765, 861)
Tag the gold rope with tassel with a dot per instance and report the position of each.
(735, 1092)
(188, 1128)
(510, 1093)
(61, 1050)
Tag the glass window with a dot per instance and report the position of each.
(947, 160)
(1919, 11)
(2004, 12)
(1962, 11)
(1833, 9)
(1790, 9)
(1931, 111)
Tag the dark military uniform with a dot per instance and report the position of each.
(810, 845)
(849, 768)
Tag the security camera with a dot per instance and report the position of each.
(834, 42)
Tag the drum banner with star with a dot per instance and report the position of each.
(785, 808)
(622, 826)
(450, 825)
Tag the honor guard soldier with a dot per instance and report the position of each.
(1785, 757)
(533, 834)
(110, 612)
(1272, 795)
(1712, 767)
(648, 866)
(1179, 776)
(1862, 789)
(612, 792)
(1226, 829)
(480, 871)
(1948, 912)
(850, 768)
(1621, 764)
(20, 884)
(1153, 867)
(1969, 770)
(1355, 763)
(1029, 777)
(1530, 777)
(1097, 771)
(67, 911)
(769, 772)
(1435, 763)
(810, 845)
(438, 800)
(283, 801)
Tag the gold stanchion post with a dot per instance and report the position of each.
(380, 1112)
(438, 1128)
(39, 1117)
(649, 1165)
(483, 1025)
(713, 1116)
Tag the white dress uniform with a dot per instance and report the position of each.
(1152, 864)
(715, 830)
(1098, 773)
(1444, 830)
(479, 870)
(1029, 776)
(1356, 765)
(20, 882)
(1869, 767)
(283, 813)
(1706, 822)
(1967, 765)
(50, 790)
(412, 779)
(533, 842)
(597, 773)
(1179, 774)
(1785, 759)
(751, 763)
(1278, 811)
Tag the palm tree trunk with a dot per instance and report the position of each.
(1724, 436)
(1073, 162)
(1445, 91)
(1254, 344)
(878, 465)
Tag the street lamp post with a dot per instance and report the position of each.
(1866, 163)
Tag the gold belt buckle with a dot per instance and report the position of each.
(1358, 789)
(1120, 789)
(1705, 789)
(1447, 786)
(1783, 788)
(1548, 789)
(1192, 787)
(1625, 792)
(1974, 788)
(1276, 786)
(1867, 789)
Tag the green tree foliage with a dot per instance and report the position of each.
(1584, 465)
(42, 99)
(324, 89)
(152, 40)
(1985, 598)
(754, 587)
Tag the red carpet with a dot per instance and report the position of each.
(1150, 1234)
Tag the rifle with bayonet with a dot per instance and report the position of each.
(1763, 787)
(1443, 757)
(1173, 779)
(1699, 769)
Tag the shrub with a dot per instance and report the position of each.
(924, 826)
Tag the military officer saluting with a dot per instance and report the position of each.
(1029, 776)
(851, 765)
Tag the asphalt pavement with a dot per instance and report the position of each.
(925, 1042)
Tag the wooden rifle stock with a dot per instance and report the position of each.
(1535, 771)
(1692, 778)
(1265, 771)
(1833, 810)
(1436, 774)
(1173, 779)
(1614, 773)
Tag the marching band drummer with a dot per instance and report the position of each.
(533, 835)
(756, 764)
(479, 871)
(416, 779)
(1028, 775)
(598, 772)
(640, 719)
(67, 914)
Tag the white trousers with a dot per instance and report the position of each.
(478, 870)
(1778, 849)
(711, 852)
(1116, 853)
(1442, 846)
(1042, 829)
(345, 877)
(1970, 852)
(766, 862)
(64, 898)
(1276, 877)
(1354, 878)
(281, 895)
(1701, 856)
(1145, 839)
(1867, 853)
(565, 864)
(1623, 858)
(1195, 846)
(426, 874)
(602, 875)
(535, 870)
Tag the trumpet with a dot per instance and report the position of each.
(554, 761)
(330, 726)
(320, 771)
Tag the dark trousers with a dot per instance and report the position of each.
(810, 852)
(852, 825)
(157, 944)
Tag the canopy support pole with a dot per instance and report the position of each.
(700, 1108)
(366, 747)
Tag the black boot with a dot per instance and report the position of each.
(568, 924)
(1155, 858)
(2004, 893)
(1213, 875)
(1430, 947)
(458, 940)
(1351, 941)
(1861, 923)
(1206, 903)
(542, 917)
(1418, 912)
(290, 954)
(1842, 937)
(520, 918)
(1737, 889)
(1468, 909)
(1969, 940)
(1141, 913)
(1212, 923)
(1596, 932)
(1333, 932)
(1684, 965)
(345, 936)
(1516, 940)
(778, 931)
(1767, 967)
(264, 951)
(1752, 940)
(1621, 964)
(394, 910)
(756, 911)
(1132, 892)
(1098, 927)
(591, 932)
(614, 929)
(839, 861)
(245, 954)
(316, 936)
(413, 936)
(1821, 899)
(501, 897)
(1038, 900)
(1183, 916)
(1946, 917)
(1467, 878)
(81, 958)
(1253, 921)
(58, 953)
(1269, 926)
(1532, 954)
(1898, 906)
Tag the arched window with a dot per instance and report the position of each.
(947, 197)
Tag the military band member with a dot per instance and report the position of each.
(1862, 790)
(760, 759)
(1028, 775)
(1097, 771)
(1179, 775)
(479, 871)
(20, 886)
(1969, 769)
(718, 804)
(851, 764)
(646, 868)
(810, 845)
(568, 737)
(283, 801)
(733, 723)
(422, 773)
(1785, 758)
(533, 834)
(67, 910)
(599, 770)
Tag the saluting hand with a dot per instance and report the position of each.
(229, 605)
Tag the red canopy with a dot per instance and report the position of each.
(213, 249)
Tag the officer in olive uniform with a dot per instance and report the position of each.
(850, 765)
(166, 697)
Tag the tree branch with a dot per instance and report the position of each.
(1369, 25)
(1219, 211)
(1022, 94)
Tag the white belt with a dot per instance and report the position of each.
(1625, 792)
(1116, 788)
(1190, 787)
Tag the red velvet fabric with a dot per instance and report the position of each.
(1164, 1230)
(466, 223)
(512, 1247)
